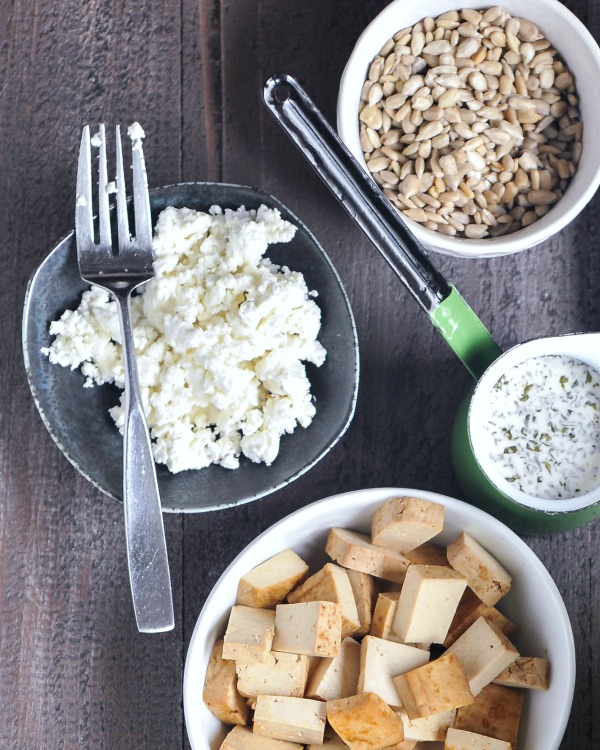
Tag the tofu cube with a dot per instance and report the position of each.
(484, 574)
(483, 652)
(310, 628)
(403, 523)
(526, 672)
(280, 674)
(471, 608)
(457, 739)
(365, 722)
(365, 592)
(383, 616)
(292, 719)
(249, 634)
(242, 738)
(313, 663)
(269, 583)
(427, 604)
(220, 693)
(428, 554)
(355, 551)
(428, 729)
(336, 677)
(382, 660)
(330, 742)
(330, 584)
(438, 686)
(495, 712)
(334, 742)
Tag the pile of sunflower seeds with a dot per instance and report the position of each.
(470, 123)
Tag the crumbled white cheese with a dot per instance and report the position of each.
(135, 131)
(221, 334)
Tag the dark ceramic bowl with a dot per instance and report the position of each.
(78, 419)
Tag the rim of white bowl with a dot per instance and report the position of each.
(582, 59)
(353, 501)
(569, 345)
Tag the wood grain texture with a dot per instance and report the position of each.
(74, 673)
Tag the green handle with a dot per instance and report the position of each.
(468, 337)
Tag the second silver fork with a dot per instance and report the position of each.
(120, 273)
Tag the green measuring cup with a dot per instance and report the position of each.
(447, 310)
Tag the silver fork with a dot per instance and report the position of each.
(120, 273)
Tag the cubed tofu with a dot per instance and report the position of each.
(428, 554)
(428, 729)
(364, 589)
(403, 523)
(484, 574)
(269, 583)
(336, 677)
(310, 628)
(249, 634)
(457, 739)
(313, 663)
(438, 686)
(280, 674)
(471, 608)
(220, 693)
(293, 719)
(330, 584)
(428, 602)
(496, 712)
(330, 742)
(355, 551)
(336, 743)
(383, 616)
(483, 652)
(242, 738)
(526, 672)
(365, 722)
(382, 660)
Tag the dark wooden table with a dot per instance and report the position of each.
(74, 672)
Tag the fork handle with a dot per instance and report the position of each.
(144, 530)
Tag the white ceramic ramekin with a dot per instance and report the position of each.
(582, 56)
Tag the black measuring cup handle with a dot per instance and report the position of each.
(343, 175)
(380, 221)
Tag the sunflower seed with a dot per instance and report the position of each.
(429, 130)
(528, 31)
(416, 214)
(477, 81)
(438, 47)
(476, 231)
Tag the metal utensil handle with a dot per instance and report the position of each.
(342, 174)
(146, 547)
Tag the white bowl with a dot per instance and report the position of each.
(533, 603)
(580, 52)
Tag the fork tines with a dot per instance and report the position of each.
(84, 224)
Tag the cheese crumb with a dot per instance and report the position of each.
(136, 132)
(221, 336)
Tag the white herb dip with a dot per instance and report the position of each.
(542, 428)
